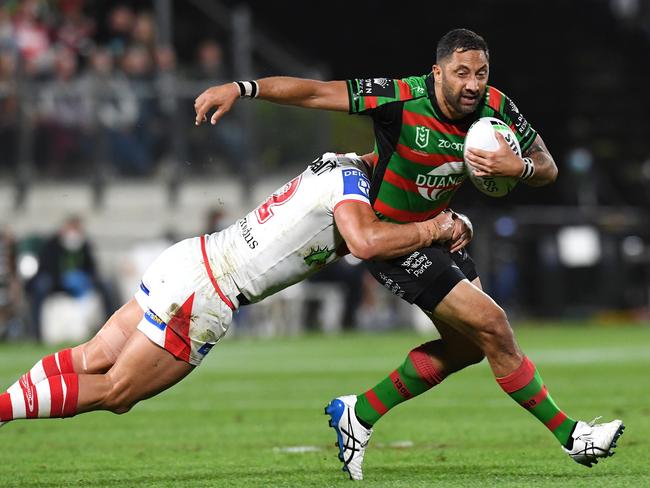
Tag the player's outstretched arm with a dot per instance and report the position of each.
(367, 237)
(326, 95)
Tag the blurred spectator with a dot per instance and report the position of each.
(120, 25)
(144, 32)
(136, 157)
(66, 264)
(209, 64)
(10, 289)
(114, 106)
(8, 111)
(167, 121)
(31, 37)
(64, 118)
(348, 274)
(74, 30)
(225, 144)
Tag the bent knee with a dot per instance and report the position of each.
(494, 327)
(119, 398)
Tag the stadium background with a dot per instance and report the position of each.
(117, 147)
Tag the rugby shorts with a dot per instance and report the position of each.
(185, 310)
(425, 276)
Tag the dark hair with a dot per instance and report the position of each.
(460, 40)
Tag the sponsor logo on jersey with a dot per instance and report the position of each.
(355, 182)
(511, 110)
(376, 87)
(441, 181)
(318, 256)
(416, 264)
(321, 166)
(247, 233)
(422, 136)
(417, 90)
(446, 144)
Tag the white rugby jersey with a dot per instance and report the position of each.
(291, 234)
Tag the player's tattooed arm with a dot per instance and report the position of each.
(545, 170)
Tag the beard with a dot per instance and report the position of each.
(459, 103)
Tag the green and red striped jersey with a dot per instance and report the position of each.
(419, 152)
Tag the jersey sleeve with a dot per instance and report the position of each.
(365, 94)
(353, 186)
(505, 109)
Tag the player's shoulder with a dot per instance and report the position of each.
(331, 163)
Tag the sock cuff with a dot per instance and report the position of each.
(65, 361)
(519, 378)
(72, 394)
(423, 364)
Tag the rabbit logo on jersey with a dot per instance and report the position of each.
(355, 182)
(442, 181)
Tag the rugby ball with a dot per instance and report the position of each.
(481, 135)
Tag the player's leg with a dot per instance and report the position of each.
(475, 314)
(423, 368)
(95, 356)
(142, 370)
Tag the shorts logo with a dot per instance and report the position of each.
(393, 287)
(422, 136)
(416, 264)
(152, 318)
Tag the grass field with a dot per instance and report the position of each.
(237, 420)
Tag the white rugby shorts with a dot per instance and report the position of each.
(185, 310)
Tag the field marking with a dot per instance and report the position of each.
(297, 449)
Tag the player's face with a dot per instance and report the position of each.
(461, 81)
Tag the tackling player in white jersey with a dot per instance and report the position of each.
(189, 293)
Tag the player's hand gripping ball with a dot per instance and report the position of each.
(481, 135)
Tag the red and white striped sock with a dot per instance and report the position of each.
(52, 365)
(55, 396)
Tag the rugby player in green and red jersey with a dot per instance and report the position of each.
(420, 123)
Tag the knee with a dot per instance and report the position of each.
(495, 328)
(118, 398)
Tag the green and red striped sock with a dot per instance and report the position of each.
(525, 386)
(414, 376)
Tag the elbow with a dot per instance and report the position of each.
(363, 249)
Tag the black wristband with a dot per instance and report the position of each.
(248, 89)
(529, 169)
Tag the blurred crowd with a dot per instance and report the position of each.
(98, 90)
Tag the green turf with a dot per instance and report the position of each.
(230, 422)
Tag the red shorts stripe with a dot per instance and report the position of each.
(519, 378)
(537, 399)
(556, 421)
(56, 396)
(71, 395)
(211, 276)
(375, 402)
(399, 385)
(49, 366)
(177, 332)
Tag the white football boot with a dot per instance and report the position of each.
(352, 436)
(592, 441)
